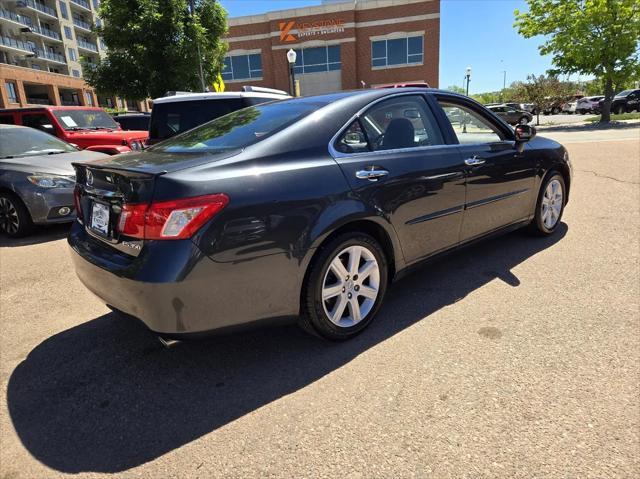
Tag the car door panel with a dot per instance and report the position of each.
(498, 190)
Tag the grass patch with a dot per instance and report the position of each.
(623, 116)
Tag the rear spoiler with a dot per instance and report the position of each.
(259, 89)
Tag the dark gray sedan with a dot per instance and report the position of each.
(511, 115)
(36, 179)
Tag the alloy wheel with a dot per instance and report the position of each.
(350, 286)
(552, 204)
(9, 219)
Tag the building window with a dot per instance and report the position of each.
(63, 10)
(67, 33)
(89, 98)
(242, 67)
(317, 59)
(75, 73)
(398, 51)
(72, 55)
(11, 92)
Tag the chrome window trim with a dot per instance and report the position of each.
(338, 154)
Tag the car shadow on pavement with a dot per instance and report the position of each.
(105, 396)
(41, 234)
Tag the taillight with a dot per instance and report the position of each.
(174, 219)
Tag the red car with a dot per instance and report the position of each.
(89, 128)
(405, 85)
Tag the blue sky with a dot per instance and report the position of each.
(476, 33)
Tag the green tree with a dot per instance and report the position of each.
(153, 46)
(592, 37)
(545, 92)
(456, 89)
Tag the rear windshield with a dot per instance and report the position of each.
(624, 93)
(19, 142)
(169, 119)
(85, 120)
(240, 128)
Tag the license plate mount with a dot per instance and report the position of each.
(100, 214)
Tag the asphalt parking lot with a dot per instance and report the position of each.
(518, 357)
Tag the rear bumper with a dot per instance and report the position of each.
(176, 290)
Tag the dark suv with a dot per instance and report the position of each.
(625, 101)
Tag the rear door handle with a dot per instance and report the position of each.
(374, 174)
(475, 161)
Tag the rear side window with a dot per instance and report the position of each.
(241, 128)
(39, 121)
(7, 120)
(169, 119)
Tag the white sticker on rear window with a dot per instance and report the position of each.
(68, 121)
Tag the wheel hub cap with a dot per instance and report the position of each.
(552, 202)
(350, 286)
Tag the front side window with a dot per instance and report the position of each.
(397, 51)
(79, 119)
(24, 142)
(469, 126)
(7, 120)
(317, 59)
(11, 92)
(242, 67)
(397, 123)
(240, 128)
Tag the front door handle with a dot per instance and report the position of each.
(374, 174)
(475, 161)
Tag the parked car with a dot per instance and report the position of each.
(181, 111)
(530, 107)
(623, 102)
(306, 207)
(553, 108)
(511, 115)
(90, 128)
(133, 121)
(589, 104)
(404, 85)
(36, 179)
(570, 107)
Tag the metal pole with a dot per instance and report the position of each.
(468, 79)
(202, 85)
(504, 79)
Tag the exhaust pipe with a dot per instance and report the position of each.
(168, 342)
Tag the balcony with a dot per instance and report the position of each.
(54, 57)
(85, 45)
(27, 22)
(81, 3)
(81, 24)
(39, 6)
(16, 44)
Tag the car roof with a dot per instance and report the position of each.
(218, 96)
(49, 107)
(9, 127)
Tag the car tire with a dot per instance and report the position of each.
(618, 110)
(555, 111)
(550, 206)
(15, 220)
(333, 304)
(523, 120)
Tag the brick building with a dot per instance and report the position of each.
(339, 45)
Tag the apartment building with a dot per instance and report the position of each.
(340, 45)
(42, 43)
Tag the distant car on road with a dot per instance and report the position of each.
(133, 121)
(36, 179)
(511, 115)
(306, 208)
(90, 128)
(589, 104)
(625, 101)
(182, 111)
(570, 107)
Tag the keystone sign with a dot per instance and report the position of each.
(309, 29)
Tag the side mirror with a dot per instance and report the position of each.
(524, 133)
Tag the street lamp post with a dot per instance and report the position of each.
(467, 75)
(291, 58)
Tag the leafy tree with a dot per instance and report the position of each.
(456, 89)
(153, 46)
(545, 92)
(592, 37)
